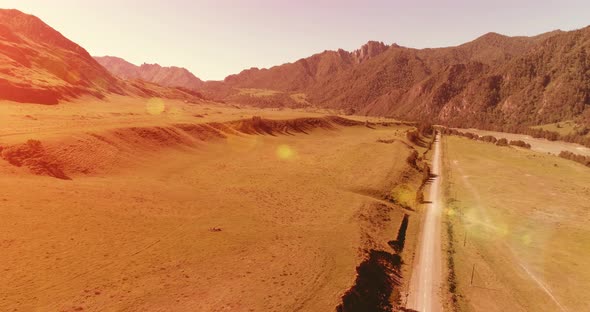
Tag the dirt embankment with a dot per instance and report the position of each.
(95, 152)
(379, 282)
(32, 155)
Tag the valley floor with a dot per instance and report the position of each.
(148, 218)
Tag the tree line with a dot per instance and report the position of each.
(486, 138)
(580, 136)
(584, 160)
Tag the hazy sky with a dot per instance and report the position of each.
(215, 38)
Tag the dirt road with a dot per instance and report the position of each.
(424, 294)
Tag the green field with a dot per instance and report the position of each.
(518, 221)
(257, 92)
(563, 128)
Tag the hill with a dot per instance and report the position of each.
(39, 65)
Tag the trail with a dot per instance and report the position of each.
(424, 293)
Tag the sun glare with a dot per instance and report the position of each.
(285, 152)
(155, 106)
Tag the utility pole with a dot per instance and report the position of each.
(465, 240)
(472, 272)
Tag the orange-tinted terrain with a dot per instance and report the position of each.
(345, 181)
(197, 207)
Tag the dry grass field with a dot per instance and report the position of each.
(517, 219)
(134, 204)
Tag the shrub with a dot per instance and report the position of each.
(502, 142)
(414, 137)
(413, 158)
(489, 139)
(425, 128)
(520, 143)
(584, 160)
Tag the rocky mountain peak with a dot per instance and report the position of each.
(368, 51)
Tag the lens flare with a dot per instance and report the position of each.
(285, 152)
(527, 239)
(450, 212)
(155, 106)
(503, 230)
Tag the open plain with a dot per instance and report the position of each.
(516, 226)
(138, 204)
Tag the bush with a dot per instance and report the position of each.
(414, 137)
(425, 129)
(489, 139)
(520, 143)
(584, 160)
(413, 158)
(502, 142)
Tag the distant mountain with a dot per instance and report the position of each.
(492, 81)
(305, 72)
(165, 76)
(40, 65)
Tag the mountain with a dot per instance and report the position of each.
(165, 76)
(548, 82)
(305, 72)
(494, 81)
(40, 65)
(491, 81)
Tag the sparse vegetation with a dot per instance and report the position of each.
(414, 137)
(520, 143)
(502, 142)
(494, 236)
(487, 138)
(584, 160)
(403, 195)
(413, 158)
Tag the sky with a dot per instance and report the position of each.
(216, 38)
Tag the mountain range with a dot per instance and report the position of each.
(493, 81)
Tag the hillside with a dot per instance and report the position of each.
(491, 81)
(307, 71)
(165, 76)
(40, 65)
(548, 83)
(494, 82)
